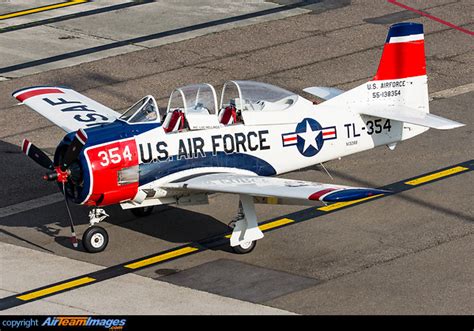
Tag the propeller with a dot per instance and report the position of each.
(74, 148)
(37, 155)
(62, 172)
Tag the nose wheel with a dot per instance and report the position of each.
(95, 239)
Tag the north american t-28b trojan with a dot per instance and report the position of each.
(138, 159)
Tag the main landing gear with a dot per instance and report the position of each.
(245, 228)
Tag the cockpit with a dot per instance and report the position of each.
(191, 107)
(195, 107)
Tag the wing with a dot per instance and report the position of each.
(274, 187)
(64, 107)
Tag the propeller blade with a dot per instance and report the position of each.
(37, 155)
(74, 148)
(73, 232)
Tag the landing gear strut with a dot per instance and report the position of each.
(246, 232)
(95, 238)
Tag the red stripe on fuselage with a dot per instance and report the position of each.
(26, 95)
(402, 60)
(329, 133)
(289, 139)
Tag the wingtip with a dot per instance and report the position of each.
(354, 194)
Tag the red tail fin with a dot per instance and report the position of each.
(404, 53)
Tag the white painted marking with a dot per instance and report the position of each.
(31, 204)
(452, 92)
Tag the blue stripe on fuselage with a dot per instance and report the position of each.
(156, 170)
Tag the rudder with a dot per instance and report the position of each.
(403, 53)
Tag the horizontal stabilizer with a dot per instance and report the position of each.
(324, 93)
(410, 115)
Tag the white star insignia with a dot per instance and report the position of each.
(309, 137)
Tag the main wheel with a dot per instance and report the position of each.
(142, 211)
(245, 248)
(95, 239)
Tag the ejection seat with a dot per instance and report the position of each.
(228, 115)
(174, 121)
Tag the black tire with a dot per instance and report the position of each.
(142, 211)
(245, 249)
(95, 239)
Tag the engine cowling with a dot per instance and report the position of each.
(112, 174)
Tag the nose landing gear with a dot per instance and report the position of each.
(95, 238)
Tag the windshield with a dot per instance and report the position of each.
(144, 110)
(130, 111)
(147, 113)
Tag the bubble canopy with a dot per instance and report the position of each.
(196, 98)
(198, 102)
(251, 95)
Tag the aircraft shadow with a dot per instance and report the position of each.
(170, 223)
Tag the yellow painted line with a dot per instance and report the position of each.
(270, 225)
(161, 257)
(41, 9)
(275, 224)
(338, 205)
(56, 288)
(437, 175)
